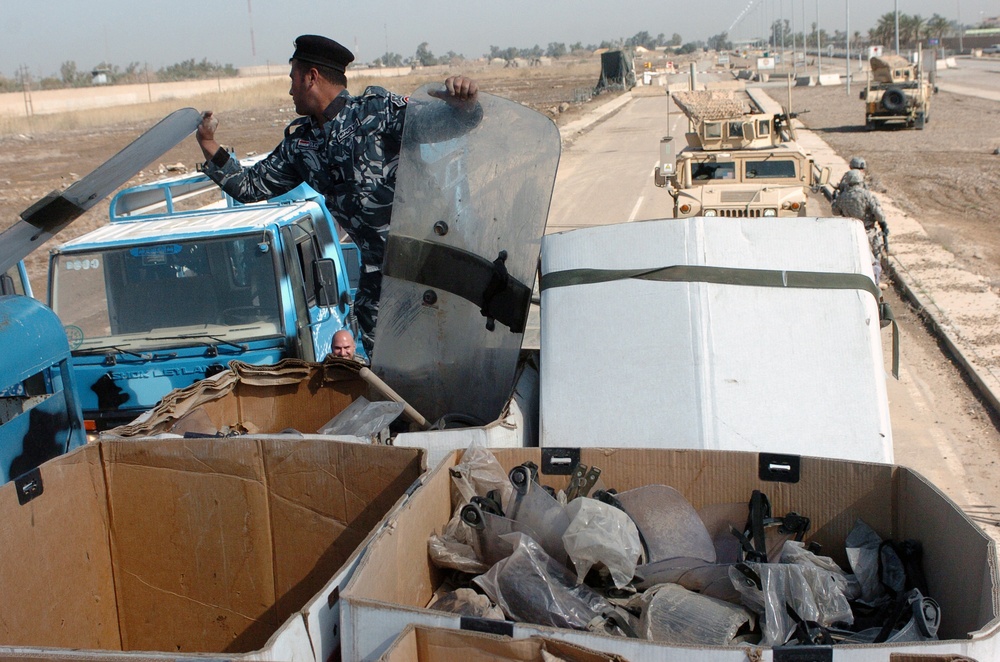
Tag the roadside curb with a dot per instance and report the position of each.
(577, 126)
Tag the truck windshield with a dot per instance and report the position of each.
(144, 297)
(770, 169)
(709, 170)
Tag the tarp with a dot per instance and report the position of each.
(616, 72)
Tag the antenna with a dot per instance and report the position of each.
(253, 46)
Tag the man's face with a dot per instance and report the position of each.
(343, 346)
(298, 89)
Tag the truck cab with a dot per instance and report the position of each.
(172, 290)
(738, 162)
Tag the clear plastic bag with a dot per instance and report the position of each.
(814, 594)
(477, 474)
(864, 546)
(362, 418)
(601, 534)
(454, 549)
(538, 511)
(710, 579)
(672, 614)
(796, 552)
(531, 587)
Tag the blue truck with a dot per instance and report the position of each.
(176, 286)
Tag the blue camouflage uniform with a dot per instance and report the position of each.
(351, 160)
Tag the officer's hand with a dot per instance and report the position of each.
(206, 130)
(458, 89)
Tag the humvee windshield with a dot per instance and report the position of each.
(703, 171)
(769, 169)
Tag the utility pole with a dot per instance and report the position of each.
(847, 60)
(960, 28)
(895, 11)
(819, 54)
(253, 46)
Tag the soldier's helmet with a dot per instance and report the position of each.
(854, 178)
(858, 163)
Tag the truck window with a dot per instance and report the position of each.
(711, 170)
(736, 129)
(145, 296)
(769, 169)
(713, 130)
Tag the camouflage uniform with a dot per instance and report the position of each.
(351, 160)
(858, 202)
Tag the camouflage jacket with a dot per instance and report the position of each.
(858, 202)
(351, 160)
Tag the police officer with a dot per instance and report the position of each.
(346, 147)
(858, 202)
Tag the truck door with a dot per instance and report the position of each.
(318, 297)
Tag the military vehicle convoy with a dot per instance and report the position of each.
(739, 161)
(896, 93)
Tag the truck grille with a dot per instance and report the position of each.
(741, 213)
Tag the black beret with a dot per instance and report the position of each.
(322, 51)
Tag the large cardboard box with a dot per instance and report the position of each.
(419, 644)
(395, 580)
(251, 399)
(230, 546)
(731, 333)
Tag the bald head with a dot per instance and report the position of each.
(343, 344)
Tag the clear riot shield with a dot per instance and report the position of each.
(462, 254)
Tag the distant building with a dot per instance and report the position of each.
(100, 76)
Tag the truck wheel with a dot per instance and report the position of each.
(894, 100)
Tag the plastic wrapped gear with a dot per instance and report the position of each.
(531, 587)
(864, 546)
(466, 602)
(710, 579)
(454, 548)
(814, 594)
(796, 552)
(601, 534)
(477, 474)
(672, 614)
(539, 512)
(669, 525)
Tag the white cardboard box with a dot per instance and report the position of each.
(395, 580)
(697, 364)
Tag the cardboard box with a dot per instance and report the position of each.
(419, 644)
(395, 580)
(231, 546)
(674, 314)
(252, 399)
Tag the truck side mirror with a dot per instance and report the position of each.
(325, 271)
(824, 176)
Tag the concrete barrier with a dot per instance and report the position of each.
(829, 79)
(804, 81)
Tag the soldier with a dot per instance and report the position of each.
(857, 163)
(858, 202)
(346, 147)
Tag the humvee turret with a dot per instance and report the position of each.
(739, 161)
(896, 93)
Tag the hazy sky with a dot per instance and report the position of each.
(42, 34)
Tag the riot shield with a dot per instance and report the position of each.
(462, 254)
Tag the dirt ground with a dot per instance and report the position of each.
(946, 176)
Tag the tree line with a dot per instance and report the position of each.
(70, 75)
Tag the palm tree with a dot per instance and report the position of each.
(884, 31)
(937, 26)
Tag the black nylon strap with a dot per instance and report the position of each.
(811, 280)
(462, 273)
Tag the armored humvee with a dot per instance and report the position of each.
(739, 160)
(896, 93)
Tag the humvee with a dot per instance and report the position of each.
(739, 161)
(896, 93)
